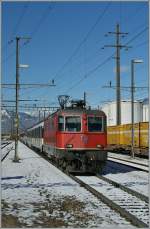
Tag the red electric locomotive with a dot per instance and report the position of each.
(75, 138)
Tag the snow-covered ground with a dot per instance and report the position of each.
(36, 194)
(130, 177)
(130, 203)
(139, 160)
(136, 162)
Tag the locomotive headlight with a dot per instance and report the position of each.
(99, 146)
(69, 146)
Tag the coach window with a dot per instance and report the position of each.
(73, 124)
(40, 132)
(61, 123)
(95, 124)
(38, 129)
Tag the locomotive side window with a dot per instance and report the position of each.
(95, 124)
(73, 124)
(61, 123)
(105, 124)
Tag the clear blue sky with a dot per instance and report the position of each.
(57, 29)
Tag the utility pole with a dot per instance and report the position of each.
(118, 93)
(85, 99)
(134, 61)
(132, 108)
(16, 157)
(118, 46)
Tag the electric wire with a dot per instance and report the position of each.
(129, 41)
(90, 72)
(137, 35)
(35, 30)
(85, 76)
(19, 21)
(101, 15)
(97, 67)
(84, 39)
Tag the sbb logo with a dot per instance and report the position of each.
(84, 139)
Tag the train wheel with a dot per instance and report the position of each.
(71, 167)
(64, 164)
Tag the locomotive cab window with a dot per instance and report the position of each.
(61, 123)
(95, 124)
(73, 123)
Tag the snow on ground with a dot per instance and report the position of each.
(36, 194)
(131, 203)
(139, 160)
(130, 177)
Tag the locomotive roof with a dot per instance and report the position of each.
(81, 111)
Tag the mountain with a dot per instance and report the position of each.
(26, 120)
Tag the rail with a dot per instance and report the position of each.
(121, 210)
(134, 219)
(124, 188)
(136, 165)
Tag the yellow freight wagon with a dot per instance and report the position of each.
(121, 135)
(113, 135)
(127, 134)
(136, 135)
(144, 135)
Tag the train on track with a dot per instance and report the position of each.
(73, 137)
(119, 138)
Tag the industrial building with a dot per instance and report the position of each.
(145, 110)
(141, 111)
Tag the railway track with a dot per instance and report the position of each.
(4, 144)
(130, 204)
(124, 188)
(133, 164)
(8, 151)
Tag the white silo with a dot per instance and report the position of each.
(110, 111)
(145, 104)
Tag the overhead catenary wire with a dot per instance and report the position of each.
(138, 27)
(78, 47)
(106, 60)
(128, 42)
(120, 9)
(35, 30)
(141, 44)
(45, 14)
(19, 21)
(101, 15)
(91, 71)
(98, 66)
(132, 39)
(83, 40)
(137, 35)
